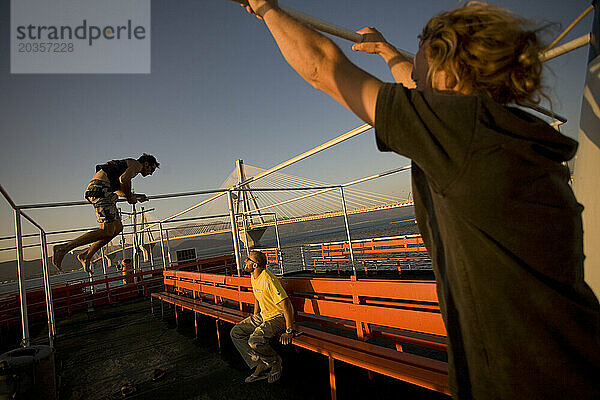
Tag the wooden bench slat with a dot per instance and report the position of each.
(220, 312)
(420, 371)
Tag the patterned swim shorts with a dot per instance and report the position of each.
(104, 200)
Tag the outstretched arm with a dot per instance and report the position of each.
(133, 168)
(374, 43)
(319, 61)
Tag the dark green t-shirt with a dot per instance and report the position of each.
(504, 232)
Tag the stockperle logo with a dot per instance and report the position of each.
(80, 36)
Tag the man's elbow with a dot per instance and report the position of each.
(321, 73)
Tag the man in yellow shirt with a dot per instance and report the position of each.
(273, 314)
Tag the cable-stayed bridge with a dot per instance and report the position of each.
(285, 197)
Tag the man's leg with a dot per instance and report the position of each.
(261, 348)
(240, 334)
(61, 249)
(107, 215)
(111, 229)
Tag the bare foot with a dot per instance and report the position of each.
(82, 257)
(59, 252)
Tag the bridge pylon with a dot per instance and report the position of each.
(250, 234)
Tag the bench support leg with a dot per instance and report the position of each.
(151, 305)
(218, 335)
(196, 323)
(176, 317)
(162, 310)
(332, 378)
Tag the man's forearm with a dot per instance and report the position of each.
(126, 189)
(399, 65)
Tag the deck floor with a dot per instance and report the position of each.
(99, 351)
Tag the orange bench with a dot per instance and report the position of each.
(397, 311)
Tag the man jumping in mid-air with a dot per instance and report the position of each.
(111, 180)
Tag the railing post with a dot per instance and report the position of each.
(92, 290)
(168, 248)
(142, 256)
(22, 289)
(278, 245)
(103, 262)
(103, 255)
(348, 229)
(234, 233)
(48, 290)
(122, 237)
(162, 246)
(302, 256)
(134, 252)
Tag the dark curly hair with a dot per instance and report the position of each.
(151, 159)
(487, 49)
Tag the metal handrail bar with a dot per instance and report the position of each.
(87, 229)
(253, 213)
(55, 242)
(59, 232)
(348, 230)
(278, 189)
(565, 48)
(15, 207)
(154, 197)
(7, 197)
(196, 218)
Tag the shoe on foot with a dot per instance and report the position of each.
(276, 369)
(254, 378)
(259, 373)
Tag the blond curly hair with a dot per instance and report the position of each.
(488, 50)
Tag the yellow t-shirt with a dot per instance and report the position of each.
(269, 293)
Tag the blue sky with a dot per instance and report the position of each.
(219, 90)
